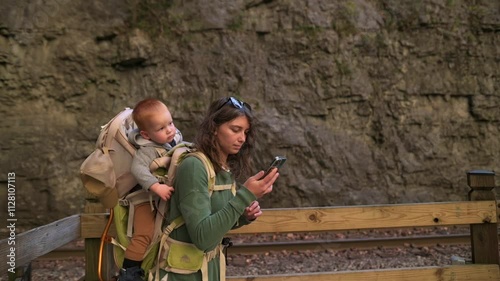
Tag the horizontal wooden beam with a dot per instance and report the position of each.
(374, 216)
(345, 218)
(39, 241)
(450, 273)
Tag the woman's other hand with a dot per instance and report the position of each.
(253, 211)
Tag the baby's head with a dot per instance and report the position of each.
(154, 121)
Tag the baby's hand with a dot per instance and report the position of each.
(162, 190)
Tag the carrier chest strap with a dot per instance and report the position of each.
(161, 151)
(222, 187)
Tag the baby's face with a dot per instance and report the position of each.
(161, 128)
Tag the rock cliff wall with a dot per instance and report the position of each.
(372, 101)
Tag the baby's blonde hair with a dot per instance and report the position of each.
(144, 109)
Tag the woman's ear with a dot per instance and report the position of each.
(145, 134)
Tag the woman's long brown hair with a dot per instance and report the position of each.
(219, 112)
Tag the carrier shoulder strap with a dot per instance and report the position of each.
(211, 175)
(208, 167)
(175, 157)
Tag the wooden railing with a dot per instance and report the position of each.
(481, 213)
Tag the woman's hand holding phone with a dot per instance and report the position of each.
(262, 182)
(277, 162)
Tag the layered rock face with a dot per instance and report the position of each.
(372, 102)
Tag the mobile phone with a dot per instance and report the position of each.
(277, 162)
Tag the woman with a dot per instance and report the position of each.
(226, 138)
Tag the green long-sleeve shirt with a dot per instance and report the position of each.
(207, 218)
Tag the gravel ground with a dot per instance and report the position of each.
(321, 260)
(332, 260)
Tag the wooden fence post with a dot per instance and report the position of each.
(484, 237)
(92, 246)
(22, 273)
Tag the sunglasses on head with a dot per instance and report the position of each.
(236, 103)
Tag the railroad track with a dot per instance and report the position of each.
(309, 245)
(343, 244)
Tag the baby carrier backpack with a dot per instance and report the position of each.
(106, 174)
